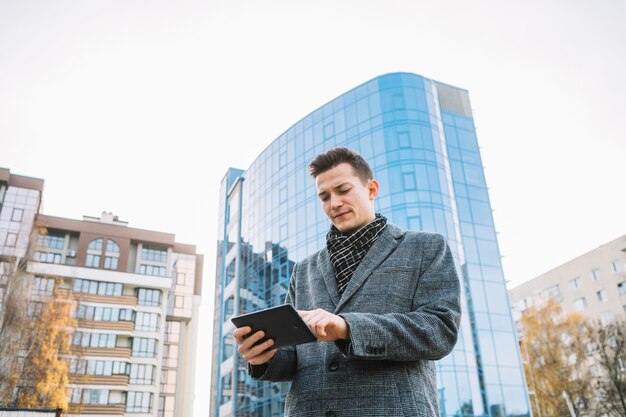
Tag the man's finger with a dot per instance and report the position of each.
(247, 343)
(240, 333)
(262, 358)
(257, 350)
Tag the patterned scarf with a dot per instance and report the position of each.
(346, 250)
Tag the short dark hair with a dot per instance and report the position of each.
(335, 156)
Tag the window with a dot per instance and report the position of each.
(230, 272)
(95, 396)
(553, 292)
(153, 254)
(170, 355)
(144, 347)
(34, 309)
(148, 297)
(103, 313)
(181, 278)
(602, 297)
(97, 287)
(110, 262)
(48, 257)
(228, 349)
(11, 240)
(95, 245)
(98, 367)
(229, 307)
(596, 274)
(606, 318)
(408, 178)
(52, 241)
(172, 331)
(329, 132)
(94, 340)
(138, 402)
(580, 304)
(148, 322)
(168, 381)
(141, 374)
(17, 215)
(159, 271)
(404, 141)
(112, 247)
(92, 261)
(575, 283)
(43, 286)
(616, 267)
(179, 301)
(621, 287)
(74, 395)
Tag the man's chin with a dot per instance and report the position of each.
(344, 227)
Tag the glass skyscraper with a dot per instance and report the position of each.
(419, 137)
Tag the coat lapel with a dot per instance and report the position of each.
(328, 272)
(382, 247)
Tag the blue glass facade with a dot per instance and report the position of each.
(420, 140)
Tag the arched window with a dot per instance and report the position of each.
(112, 247)
(112, 255)
(94, 250)
(95, 244)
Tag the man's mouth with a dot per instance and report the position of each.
(336, 216)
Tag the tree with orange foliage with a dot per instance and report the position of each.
(34, 337)
(45, 374)
(556, 365)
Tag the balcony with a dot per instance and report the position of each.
(95, 409)
(126, 326)
(107, 299)
(99, 379)
(117, 352)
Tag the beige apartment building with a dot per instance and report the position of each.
(135, 296)
(593, 284)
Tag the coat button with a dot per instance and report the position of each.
(330, 414)
(333, 366)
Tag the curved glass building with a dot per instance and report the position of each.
(419, 137)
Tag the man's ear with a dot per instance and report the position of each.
(373, 186)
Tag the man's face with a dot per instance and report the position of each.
(347, 202)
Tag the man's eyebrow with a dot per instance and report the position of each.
(335, 187)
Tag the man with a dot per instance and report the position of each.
(384, 303)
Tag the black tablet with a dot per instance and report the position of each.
(281, 323)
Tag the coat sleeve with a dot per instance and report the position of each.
(428, 332)
(282, 367)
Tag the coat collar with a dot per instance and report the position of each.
(382, 247)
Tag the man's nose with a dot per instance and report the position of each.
(335, 201)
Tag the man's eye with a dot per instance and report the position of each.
(323, 198)
(344, 191)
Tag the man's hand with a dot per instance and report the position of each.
(328, 327)
(256, 355)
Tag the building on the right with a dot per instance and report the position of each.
(419, 137)
(592, 284)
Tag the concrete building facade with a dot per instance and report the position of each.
(592, 284)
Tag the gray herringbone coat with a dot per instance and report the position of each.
(402, 308)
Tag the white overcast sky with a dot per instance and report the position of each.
(139, 106)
